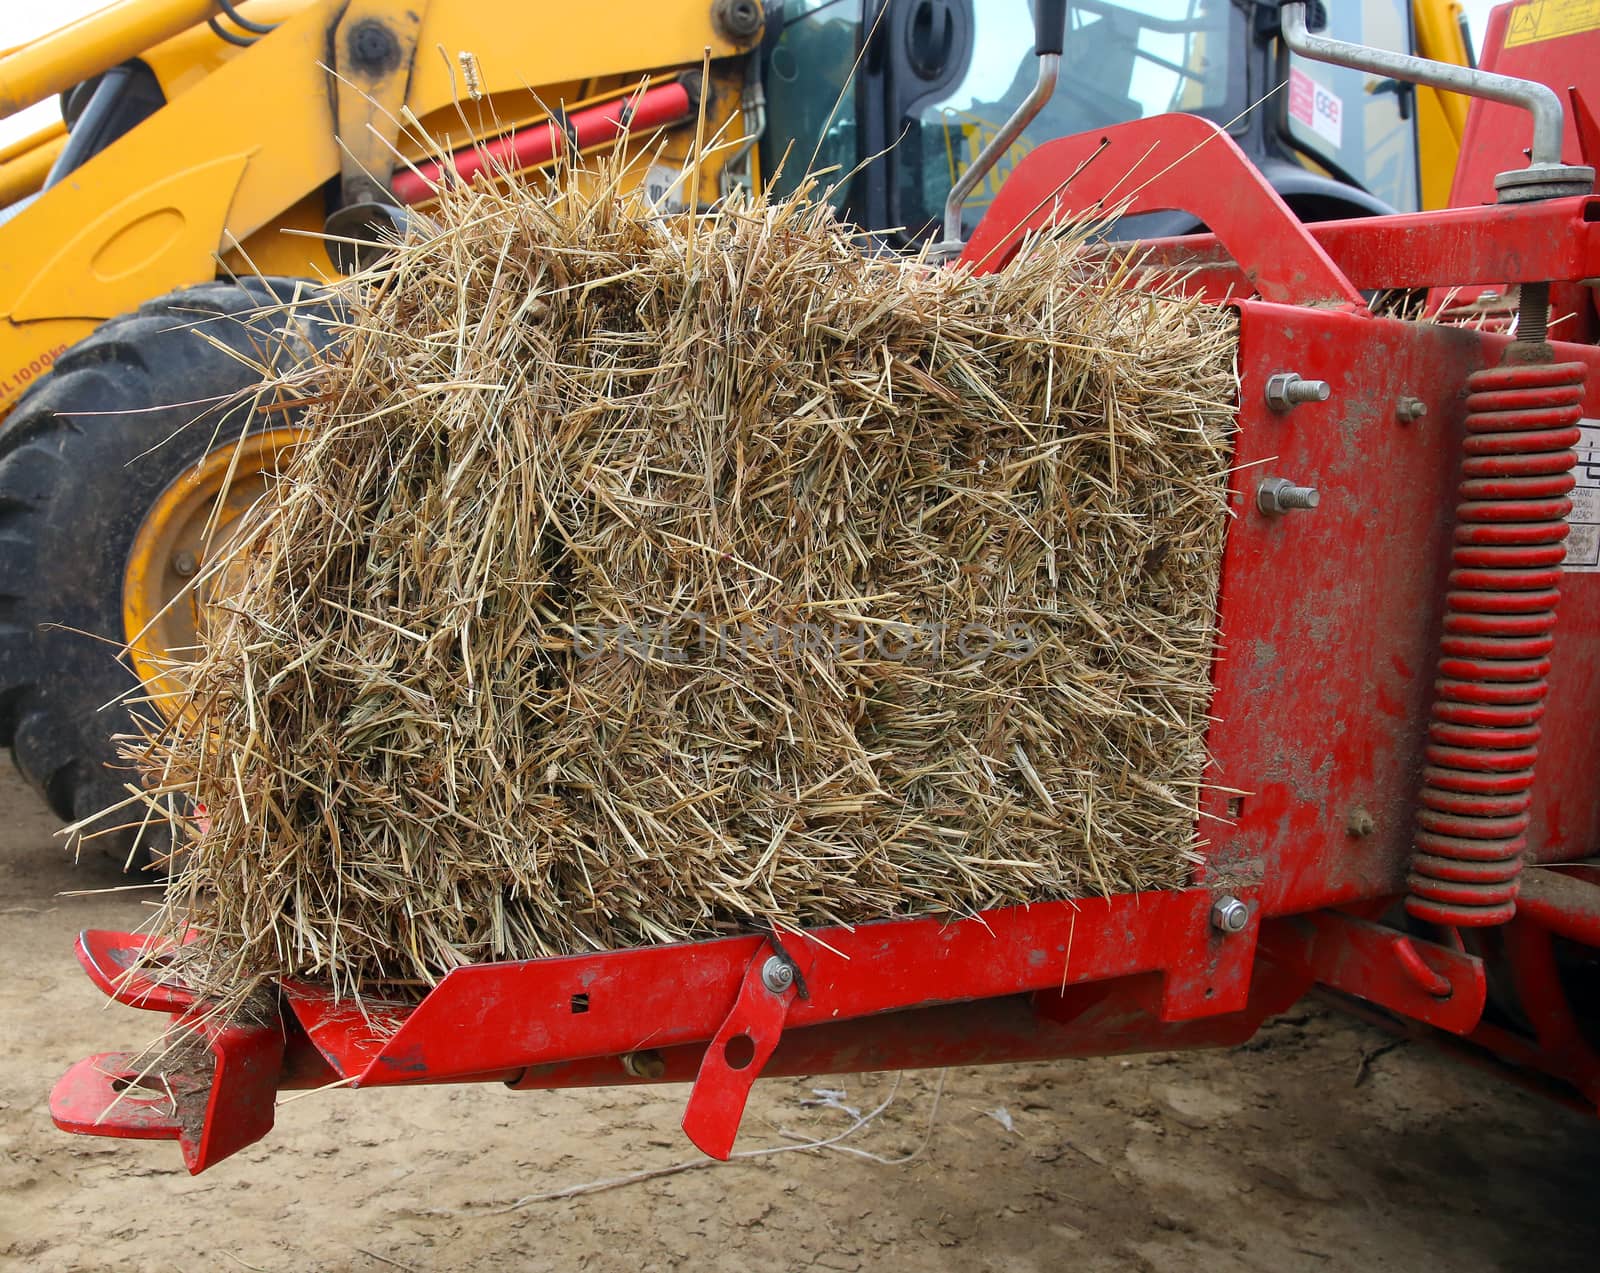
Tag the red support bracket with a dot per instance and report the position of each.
(1417, 979)
(494, 1017)
(213, 1092)
(112, 961)
(729, 1002)
(1166, 163)
(738, 1052)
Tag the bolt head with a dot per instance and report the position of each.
(1287, 390)
(1229, 915)
(777, 975)
(1278, 495)
(185, 563)
(1278, 387)
(374, 49)
(1410, 409)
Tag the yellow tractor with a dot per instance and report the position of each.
(218, 161)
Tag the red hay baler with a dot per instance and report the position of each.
(1405, 695)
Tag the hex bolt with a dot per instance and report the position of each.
(1286, 391)
(1360, 824)
(1277, 495)
(1229, 915)
(185, 563)
(777, 975)
(1409, 410)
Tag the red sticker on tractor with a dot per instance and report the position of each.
(1316, 106)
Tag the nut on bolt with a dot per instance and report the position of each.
(185, 563)
(1278, 495)
(1286, 391)
(777, 975)
(1409, 409)
(1229, 915)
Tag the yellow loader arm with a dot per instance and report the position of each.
(251, 137)
(1441, 116)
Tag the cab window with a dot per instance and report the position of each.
(1121, 61)
(1357, 126)
(811, 97)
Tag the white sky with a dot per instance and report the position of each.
(20, 22)
(1478, 15)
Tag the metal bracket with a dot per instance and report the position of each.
(1165, 163)
(375, 45)
(1417, 979)
(736, 1054)
(214, 1093)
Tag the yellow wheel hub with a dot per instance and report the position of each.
(166, 587)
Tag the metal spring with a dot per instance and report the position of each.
(1500, 615)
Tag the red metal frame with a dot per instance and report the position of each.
(1457, 247)
(1329, 627)
(1150, 166)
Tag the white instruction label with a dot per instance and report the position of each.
(663, 186)
(1316, 106)
(1583, 540)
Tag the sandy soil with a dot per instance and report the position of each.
(1271, 1157)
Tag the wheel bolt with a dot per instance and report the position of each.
(185, 563)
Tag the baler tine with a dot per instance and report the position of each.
(1331, 610)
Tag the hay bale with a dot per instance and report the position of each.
(646, 577)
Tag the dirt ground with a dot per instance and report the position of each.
(1272, 1157)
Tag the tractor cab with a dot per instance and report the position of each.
(903, 94)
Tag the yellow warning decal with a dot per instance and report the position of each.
(1550, 19)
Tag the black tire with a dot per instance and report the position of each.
(82, 458)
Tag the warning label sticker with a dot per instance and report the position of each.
(1583, 541)
(1316, 106)
(1549, 19)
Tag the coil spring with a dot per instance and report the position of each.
(1500, 615)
